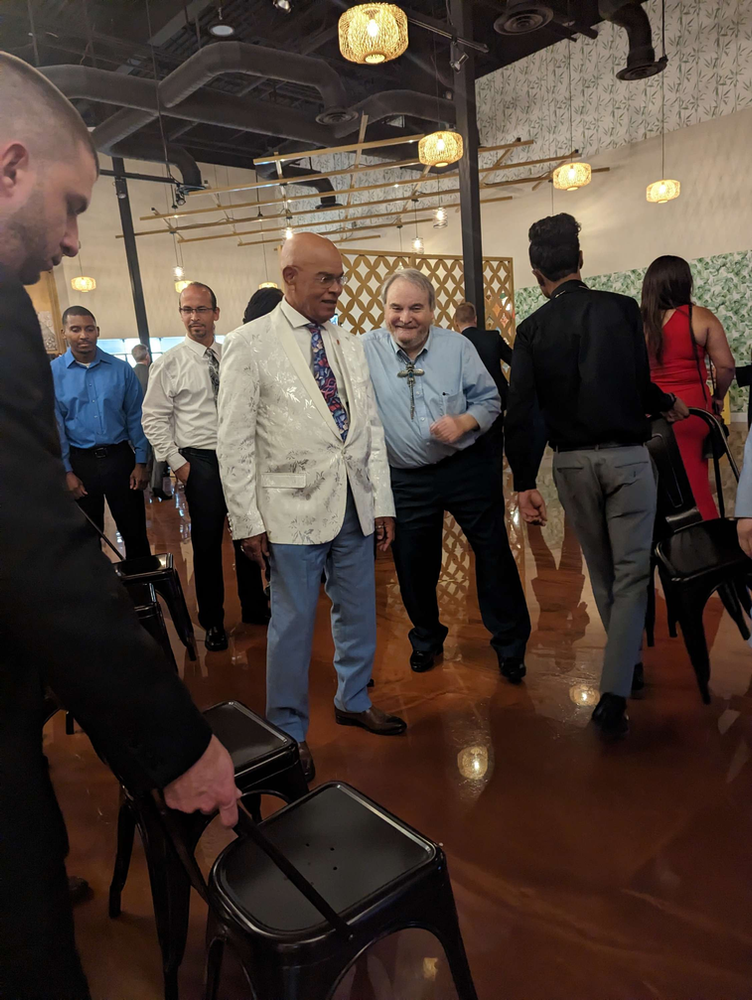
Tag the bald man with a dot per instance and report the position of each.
(65, 620)
(304, 469)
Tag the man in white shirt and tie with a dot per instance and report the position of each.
(179, 418)
(304, 467)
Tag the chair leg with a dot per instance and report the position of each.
(690, 606)
(650, 613)
(732, 604)
(126, 830)
(213, 970)
(450, 936)
(742, 591)
(70, 724)
(291, 784)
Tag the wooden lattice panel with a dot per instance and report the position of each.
(360, 306)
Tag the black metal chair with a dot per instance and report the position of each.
(696, 558)
(159, 571)
(266, 761)
(373, 875)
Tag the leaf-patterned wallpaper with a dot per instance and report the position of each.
(709, 74)
(722, 283)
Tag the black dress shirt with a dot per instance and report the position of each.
(582, 356)
(493, 349)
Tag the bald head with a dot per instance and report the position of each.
(48, 166)
(312, 272)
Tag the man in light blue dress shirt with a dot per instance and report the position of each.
(436, 400)
(98, 407)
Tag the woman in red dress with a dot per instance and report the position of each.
(680, 337)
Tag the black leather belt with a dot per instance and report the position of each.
(101, 451)
(598, 447)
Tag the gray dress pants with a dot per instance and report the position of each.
(610, 496)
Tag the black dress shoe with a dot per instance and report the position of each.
(260, 617)
(306, 759)
(374, 720)
(79, 889)
(216, 639)
(610, 715)
(420, 662)
(513, 668)
(638, 678)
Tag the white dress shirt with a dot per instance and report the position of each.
(303, 337)
(179, 409)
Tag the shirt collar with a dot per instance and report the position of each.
(99, 356)
(200, 350)
(569, 286)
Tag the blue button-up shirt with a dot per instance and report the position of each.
(455, 382)
(98, 405)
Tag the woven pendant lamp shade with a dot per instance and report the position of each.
(572, 176)
(373, 33)
(662, 191)
(439, 149)
(83, 284)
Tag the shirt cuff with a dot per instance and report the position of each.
(175, 460)
(483, 417)
(68, 466)
(142, 456)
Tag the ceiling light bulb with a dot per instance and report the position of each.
(418, 244)
(220, 29)
(441, 214)
(373, 28)
(289, 233)
(284, 5)
(178, 271)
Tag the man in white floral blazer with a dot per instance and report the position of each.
(304, 469)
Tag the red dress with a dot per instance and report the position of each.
(678, 373)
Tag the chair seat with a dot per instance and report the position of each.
(145, 566)
(704, 549)
(253, 743)
(350, 849)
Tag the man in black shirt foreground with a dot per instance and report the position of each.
(65, 620)
(582, 356)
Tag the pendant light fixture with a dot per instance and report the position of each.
(220, 28)
(441, 216)
(418, 245)
(666, 189)
(439, 149)
(82, 283)
(373, 33)
(575, 175)
(183, 284)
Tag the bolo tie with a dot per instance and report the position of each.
(410, 372)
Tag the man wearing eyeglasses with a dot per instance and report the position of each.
(304, 468)
(180, 420)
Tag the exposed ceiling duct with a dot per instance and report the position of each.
(523, 16)
(631, 16)
(267, 171)
(154, 152)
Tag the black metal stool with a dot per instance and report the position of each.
(373, 875)
(266, 761)
(160, 572)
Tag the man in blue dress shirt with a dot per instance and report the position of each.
(98, 406)
(436, 401)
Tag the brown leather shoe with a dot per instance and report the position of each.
(78, 889)
(374, 720)
(306, 759)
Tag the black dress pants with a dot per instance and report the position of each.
(38, 959)
(206, 502)
(106, 473)
(467, 485)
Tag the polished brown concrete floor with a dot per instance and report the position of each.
(580, 870)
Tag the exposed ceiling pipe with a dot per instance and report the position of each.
(631, 16)
(267, 171)
(392, 103)
(144, 149)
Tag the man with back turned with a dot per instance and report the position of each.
(582, 359)
(65, 620)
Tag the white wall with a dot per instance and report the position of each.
(233, 272)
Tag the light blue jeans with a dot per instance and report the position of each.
(348, 562)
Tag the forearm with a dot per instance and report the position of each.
(724, 376)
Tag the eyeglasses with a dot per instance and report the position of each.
(201, 311)
(332, 279)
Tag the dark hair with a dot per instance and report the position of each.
(77, 311)
(263, 301)
(200, 284)
(667, 285)
(555, 246)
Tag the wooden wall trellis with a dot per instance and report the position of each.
(360, 307)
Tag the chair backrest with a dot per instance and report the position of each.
(719, 449)
(676, 503)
